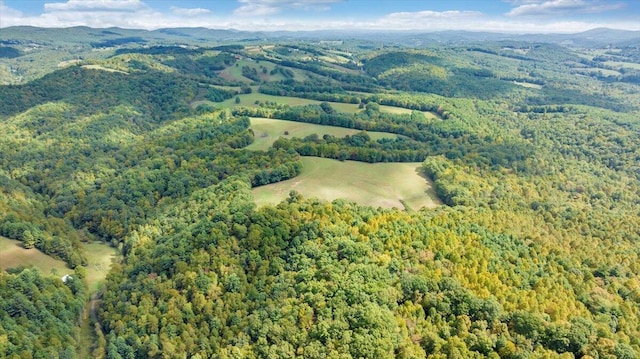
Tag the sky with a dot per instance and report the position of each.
(513, 16)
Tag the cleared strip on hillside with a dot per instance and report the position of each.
(249, 100)
(267, 130)
(384, 185)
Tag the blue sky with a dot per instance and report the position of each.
(520, 16)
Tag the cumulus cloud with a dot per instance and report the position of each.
(139, 15)
(9, 16)
(270, 7)
(94, 13)
(425, 20)
(418, 15)
(95, 5)
(189, 12)
(561, 7)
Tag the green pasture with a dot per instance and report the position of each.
(99, 255)
(13, 254)
(597, 70)
(249, 100)
(527, 84)
(378, 185)
(620, 64)
(267, 130)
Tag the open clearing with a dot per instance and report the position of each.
(598, 71)
(377, 185)
(249, 100)
(99, 256)
(620, 64)
(98, 67)
(527, 84)
(268, 130)
(13, 254)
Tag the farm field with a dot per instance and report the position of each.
(620, 64)
(249, 100)
(597, 70)
(268, 130)
(377, 185)
(100, 257)
(527, 84)
(13, 254)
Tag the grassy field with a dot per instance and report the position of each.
(377, 185)
(98, 67)
(99, 256)
(527, 84)
(268, 130)
(12, 254)
(619, 64)
(249, 100)
(597, 70)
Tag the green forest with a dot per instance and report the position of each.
(534, 252)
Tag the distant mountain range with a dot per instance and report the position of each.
(600, 37)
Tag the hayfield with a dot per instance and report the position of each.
(385, 185)
(249, 100)
(268, 130)
(99, 256)
(13, 254)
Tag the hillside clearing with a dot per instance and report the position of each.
(249, 100)
(99, 255)
(377, 185)
(98, 67)
(13, 254)
(268, 130)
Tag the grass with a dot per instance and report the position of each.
(249, 100)
(385, 185)
(597, 70)
(621, 64)
(13, 254)
(98, 67)
(234, 73)
(527, 84)
(268, 130)
(99, 256)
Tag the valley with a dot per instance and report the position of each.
(378, 195)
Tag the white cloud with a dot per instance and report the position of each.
(427, 15)
(561, 7)
(9, 16)
(426, 20)
(95, 5)
(138, 15)
(270, 7)
(256, 10)
(189, 12)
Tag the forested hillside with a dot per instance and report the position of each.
(534, 155)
